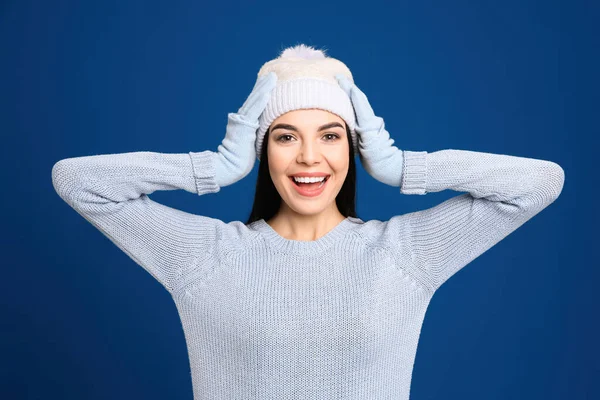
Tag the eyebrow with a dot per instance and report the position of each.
(293, 128)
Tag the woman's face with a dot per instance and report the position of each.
(309, 140)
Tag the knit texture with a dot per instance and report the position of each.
(335, 318)
(305, 80)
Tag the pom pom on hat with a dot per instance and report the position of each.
(302, 51)
(306, 79)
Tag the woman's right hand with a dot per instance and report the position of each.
(236, 154)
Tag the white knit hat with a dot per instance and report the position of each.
(306, 79)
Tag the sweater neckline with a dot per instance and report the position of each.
(288, 245)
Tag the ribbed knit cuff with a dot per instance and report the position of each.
(306, 93)
(414, 173)
(203, 164)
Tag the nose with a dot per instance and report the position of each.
(309, 153)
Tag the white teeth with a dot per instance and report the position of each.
(309, 180)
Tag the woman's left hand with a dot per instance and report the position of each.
(379, 157)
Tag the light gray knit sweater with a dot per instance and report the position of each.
(336, 318)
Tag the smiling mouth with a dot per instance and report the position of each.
(303, 184)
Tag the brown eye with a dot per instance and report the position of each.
(335, 135)
(282, 136)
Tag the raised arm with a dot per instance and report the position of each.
(502, 193)
(111, 192)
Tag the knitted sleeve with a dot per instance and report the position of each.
(502, 193)
(111, 192)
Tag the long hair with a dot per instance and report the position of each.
(267, 200)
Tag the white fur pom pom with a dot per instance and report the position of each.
(303, 51)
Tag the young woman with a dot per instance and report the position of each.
(305, 300)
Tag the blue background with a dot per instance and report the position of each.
(82, 321)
